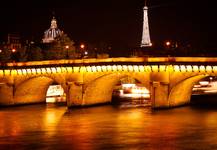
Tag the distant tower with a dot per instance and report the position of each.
(52, 33)
(145, 34)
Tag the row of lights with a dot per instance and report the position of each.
(125, 68)
(13, 50)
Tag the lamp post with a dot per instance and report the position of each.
(13, 50)
(168, 43)
(82, 46)
(14, 54)
(67, 52)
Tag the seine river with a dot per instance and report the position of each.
(107, 127)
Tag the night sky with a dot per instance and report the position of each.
(117, 22)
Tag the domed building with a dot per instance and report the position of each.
(52, 33)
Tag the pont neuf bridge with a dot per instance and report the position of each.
(91, 81)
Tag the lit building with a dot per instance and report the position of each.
(52, 33)
(145, 34)
(13, 41)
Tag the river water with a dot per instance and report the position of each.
(49, 126)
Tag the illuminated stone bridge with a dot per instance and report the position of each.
(91, 81)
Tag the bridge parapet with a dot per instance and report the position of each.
(110, 68)
(115, 61)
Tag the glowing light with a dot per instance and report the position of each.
(214, 68)
(148, 68)
(136, 68)
(169, 68)
(59, 70)
(176, 68)
(19, 72)
(69, 69)
(202, 68)
(7, 72)
(43, 71)
(88, 68)
(63, 69)
(125, 68)
(82, 69)
(133, 91)
(99, 69)
(119, 68)
(38, 71)
(109, 68)
(128, 85)
(53, 70)
(67, 46)
(114, 68)
(82, 46)
(76, 69)
(183, 68)
(14, 72)
(141, 68)
(168, 43)
(130, 68)
(24, 71)
(55, 90)
(48, 70)
(29, 71)
(189, 68)
(140, 90)
(33, 71)
(195, 68)
(104, 68)
(154, 68)
(1, 72)
(208, 69)
(204, 83)
(13, 50)
(93, 68)
(162, 68)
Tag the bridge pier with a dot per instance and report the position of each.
(159, 90)
(7, 94)
(75, 94)
(159, 94)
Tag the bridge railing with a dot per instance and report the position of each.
(114, 61)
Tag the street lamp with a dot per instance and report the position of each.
(67, 52)
(168, 43)
(13, 50)
(13, 55)
(82, 46)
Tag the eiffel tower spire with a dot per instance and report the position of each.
(145, 34)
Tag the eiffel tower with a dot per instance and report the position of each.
(146, 42)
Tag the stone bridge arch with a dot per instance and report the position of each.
(180, 93)
(33, 90)
(100, 89)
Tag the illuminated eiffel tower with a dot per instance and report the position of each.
(146, 42)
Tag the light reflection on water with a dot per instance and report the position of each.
(107, 127)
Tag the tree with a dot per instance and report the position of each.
(22, 54)
(5, 55)
(35, 53)
(62, 48)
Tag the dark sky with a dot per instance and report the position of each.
(113, 21)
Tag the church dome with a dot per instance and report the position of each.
(52, 33)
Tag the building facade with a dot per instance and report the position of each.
(52, 33)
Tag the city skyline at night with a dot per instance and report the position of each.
(114, 22)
